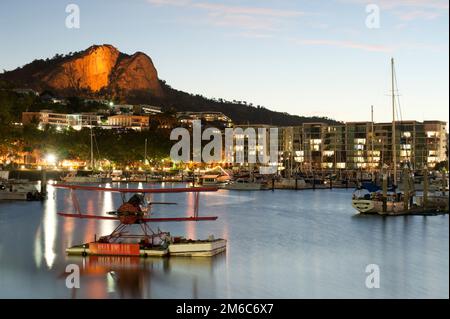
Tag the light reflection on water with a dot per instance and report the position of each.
(107, 226)
(49, 228)
(305, 244)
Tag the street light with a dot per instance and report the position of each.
(50, 159)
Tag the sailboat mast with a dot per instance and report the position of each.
(92, 147)
(394, 149)
(145, 152)
(372, 137)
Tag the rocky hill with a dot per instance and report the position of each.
(102, 71)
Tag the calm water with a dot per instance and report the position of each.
(282, 244)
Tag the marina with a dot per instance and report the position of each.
(279, 244)
(212, 152)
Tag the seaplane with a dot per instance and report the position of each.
(136, 210)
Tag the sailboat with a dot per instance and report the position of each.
(74, 177)
(369, 198)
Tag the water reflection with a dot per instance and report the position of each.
(49, 227)
(37, 252)
(107, 226)
(134, 277)
(281, 244)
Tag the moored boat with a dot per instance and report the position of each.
(92, 178)
(19, 190)
(245, 184)
(214, 180)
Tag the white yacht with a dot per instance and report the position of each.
(245, 184)
(19, 190)
(214, 180)
(370, 198)
(72, 177)
(367, 202)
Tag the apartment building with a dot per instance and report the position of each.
(61, 120)
(362, 145)
(216, 119)
(137, 122)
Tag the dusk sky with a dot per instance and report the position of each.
(304, 57)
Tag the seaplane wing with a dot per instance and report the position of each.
(88, 216)
(137, 190)
(146, 220)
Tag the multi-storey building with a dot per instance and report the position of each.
(257, 151)
(362, 145)
(216, 119)
(137, 122)
(61, 120)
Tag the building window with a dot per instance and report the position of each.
(432, 134)
(406, 134)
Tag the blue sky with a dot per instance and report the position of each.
(304, 57)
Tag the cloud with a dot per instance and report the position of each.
(228, 9)
(394, 4)
(408, 10)
(409, 46)
(244, 17)
(254, 11)
(345, 44)
(417, 14)
(169, 2)
(243, 21)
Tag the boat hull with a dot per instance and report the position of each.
(244, 187)
(195, 248)
(366, 206)
(87, 179)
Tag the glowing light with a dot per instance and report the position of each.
(50, 159)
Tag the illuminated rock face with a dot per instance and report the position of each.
(137, 72)
(98, 70)
(89, 71)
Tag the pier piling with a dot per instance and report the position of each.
(44, 184)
